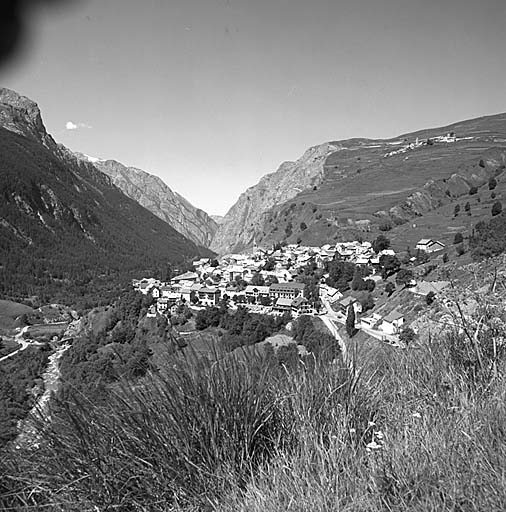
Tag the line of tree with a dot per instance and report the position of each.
(241, 327)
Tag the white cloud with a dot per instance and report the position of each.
(69, 125)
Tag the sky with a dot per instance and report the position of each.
(210, 95)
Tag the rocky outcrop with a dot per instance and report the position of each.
(152, 193)
(244, 219)
(21, 115)
(436, 193)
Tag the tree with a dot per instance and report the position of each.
(386, 225)
(303, 226)
(358, 282)
(492, 183)
(496, 208)
(214, 263)
(367, 302)
(168, 274)
(240, 283)
(370, 285)
(421, 256)
(473, 191)
(380, 244)
(265, 300)
(458, 239)
(430, 298)
(407, 336)
(270, 264)
(404, 276)
(467, 208)
(460, 249)
(445, 258)
(456, 210)
(389, 287)
(350, 322)
(257, 279)
(389, 265)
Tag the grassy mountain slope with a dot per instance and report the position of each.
(359, 188)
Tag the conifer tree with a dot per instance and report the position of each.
(350, 322)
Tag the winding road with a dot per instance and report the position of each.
(24, 343)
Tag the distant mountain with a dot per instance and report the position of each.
(353, 187)
(242, 222)
(218, 219)
(66, 231)
(152, 193)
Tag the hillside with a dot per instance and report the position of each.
(353, 187)
(152, 193)
(243, 221)
(66, 232)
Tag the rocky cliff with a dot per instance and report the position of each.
(244, 219)
(152, 193)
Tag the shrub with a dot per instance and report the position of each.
(303, 226)
(473, 190)
(381, 243)
(407, 336)
(456, 210)
(458, 238)
(404, 276)
(492, 183)
(430, 298)
(386, 225)
(460, 249)
(496, 208)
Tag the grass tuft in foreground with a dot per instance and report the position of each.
(419, 429)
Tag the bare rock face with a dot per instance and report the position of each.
(152, 193)
(21, 115)
(243, 220)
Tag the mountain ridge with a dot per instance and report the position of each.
(66, 231)
(154, 194)
(357, 184)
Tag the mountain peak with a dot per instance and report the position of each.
(21, 115)
(18, 101)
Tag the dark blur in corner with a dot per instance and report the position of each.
(13, 26)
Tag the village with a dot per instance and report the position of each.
(449, 138)
(299, 280)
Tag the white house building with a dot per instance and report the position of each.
(392, 322)
(429, 245)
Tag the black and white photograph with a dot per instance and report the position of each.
(253, 255)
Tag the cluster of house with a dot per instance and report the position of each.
(264, 278)
(446, 139)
